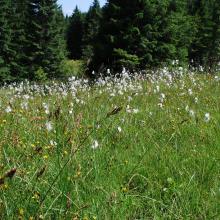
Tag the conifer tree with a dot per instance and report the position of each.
(75, 35)
(120, 36)
(46, 45)
(175, 31)
(205, 50)
(18, 22)
(5, 40)
(141, 33)
(91, 30)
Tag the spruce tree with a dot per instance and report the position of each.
(142, 33)
(75, 35)
(91, 30)
(5, 40)
(205, 50)
(120, 36)
(19, 68)
(175, 31)
(46, 47)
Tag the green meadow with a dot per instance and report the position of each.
(122, 148)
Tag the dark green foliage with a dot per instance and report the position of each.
(75, 34)
(46, 37)
(205, 49)
(31, 39)
(142, 33)
(91, 30)
(19, 25)
(5, 41)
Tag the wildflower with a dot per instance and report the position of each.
(65, 152)
(49, 126)
(119, 129)
(8, 109)
(21, 212)
(196, 99)
(190, 91)
(53, 143)
(124, 189)
(135, 111)
(45, 157)
(191, 113)
(162, 96)
(160, 105)
(24, 105)
(207, 117)
(70, 112)
(95, 144)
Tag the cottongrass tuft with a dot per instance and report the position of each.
(95, 145)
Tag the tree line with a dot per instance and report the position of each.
(35, 37)
(143, 34)
(32, 43)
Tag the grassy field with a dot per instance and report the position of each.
(120, 149)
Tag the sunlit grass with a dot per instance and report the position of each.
(127, 149)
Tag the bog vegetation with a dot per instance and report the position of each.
(36, 39)
(112, 113)
(125, 148)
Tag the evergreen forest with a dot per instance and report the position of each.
(36, 39)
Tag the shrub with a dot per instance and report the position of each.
(73, 68)
(40, 75)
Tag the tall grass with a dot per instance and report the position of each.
(140, 148)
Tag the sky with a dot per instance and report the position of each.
(69, 5)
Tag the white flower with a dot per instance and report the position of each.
(191, 113)
(53, 143)
(190, 91)
(95, 144)
(49, 126)
(160, 105)
(135, 111)
(119, 129)
(24, 105)
(207, 117)
(8, 109)
(46, 108)
(162, 95)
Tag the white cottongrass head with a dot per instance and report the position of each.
(135, 110)
(190, 91)
(207, 117)
(8, 109)
(119, 129)
(95, 144)
(49, 126)
(53, 143)
(192, 113)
